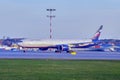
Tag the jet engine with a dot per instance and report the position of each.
(62, 47)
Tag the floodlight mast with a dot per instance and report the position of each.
(51, 16)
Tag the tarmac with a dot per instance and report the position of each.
(81, 55)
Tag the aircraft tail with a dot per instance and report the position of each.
(97, 34)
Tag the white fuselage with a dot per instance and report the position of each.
(50, 42)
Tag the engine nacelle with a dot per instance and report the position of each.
(63, 47)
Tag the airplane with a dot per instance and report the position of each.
(61, 45)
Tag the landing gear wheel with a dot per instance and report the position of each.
(57, 51)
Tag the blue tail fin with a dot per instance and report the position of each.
(97, 34)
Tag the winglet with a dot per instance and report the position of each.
(97, 34)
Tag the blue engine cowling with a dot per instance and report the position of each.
(63, 47)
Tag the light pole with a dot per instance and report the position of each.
(51, 16)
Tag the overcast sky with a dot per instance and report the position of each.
(75, 19)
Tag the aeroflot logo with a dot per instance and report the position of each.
(98, 34)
